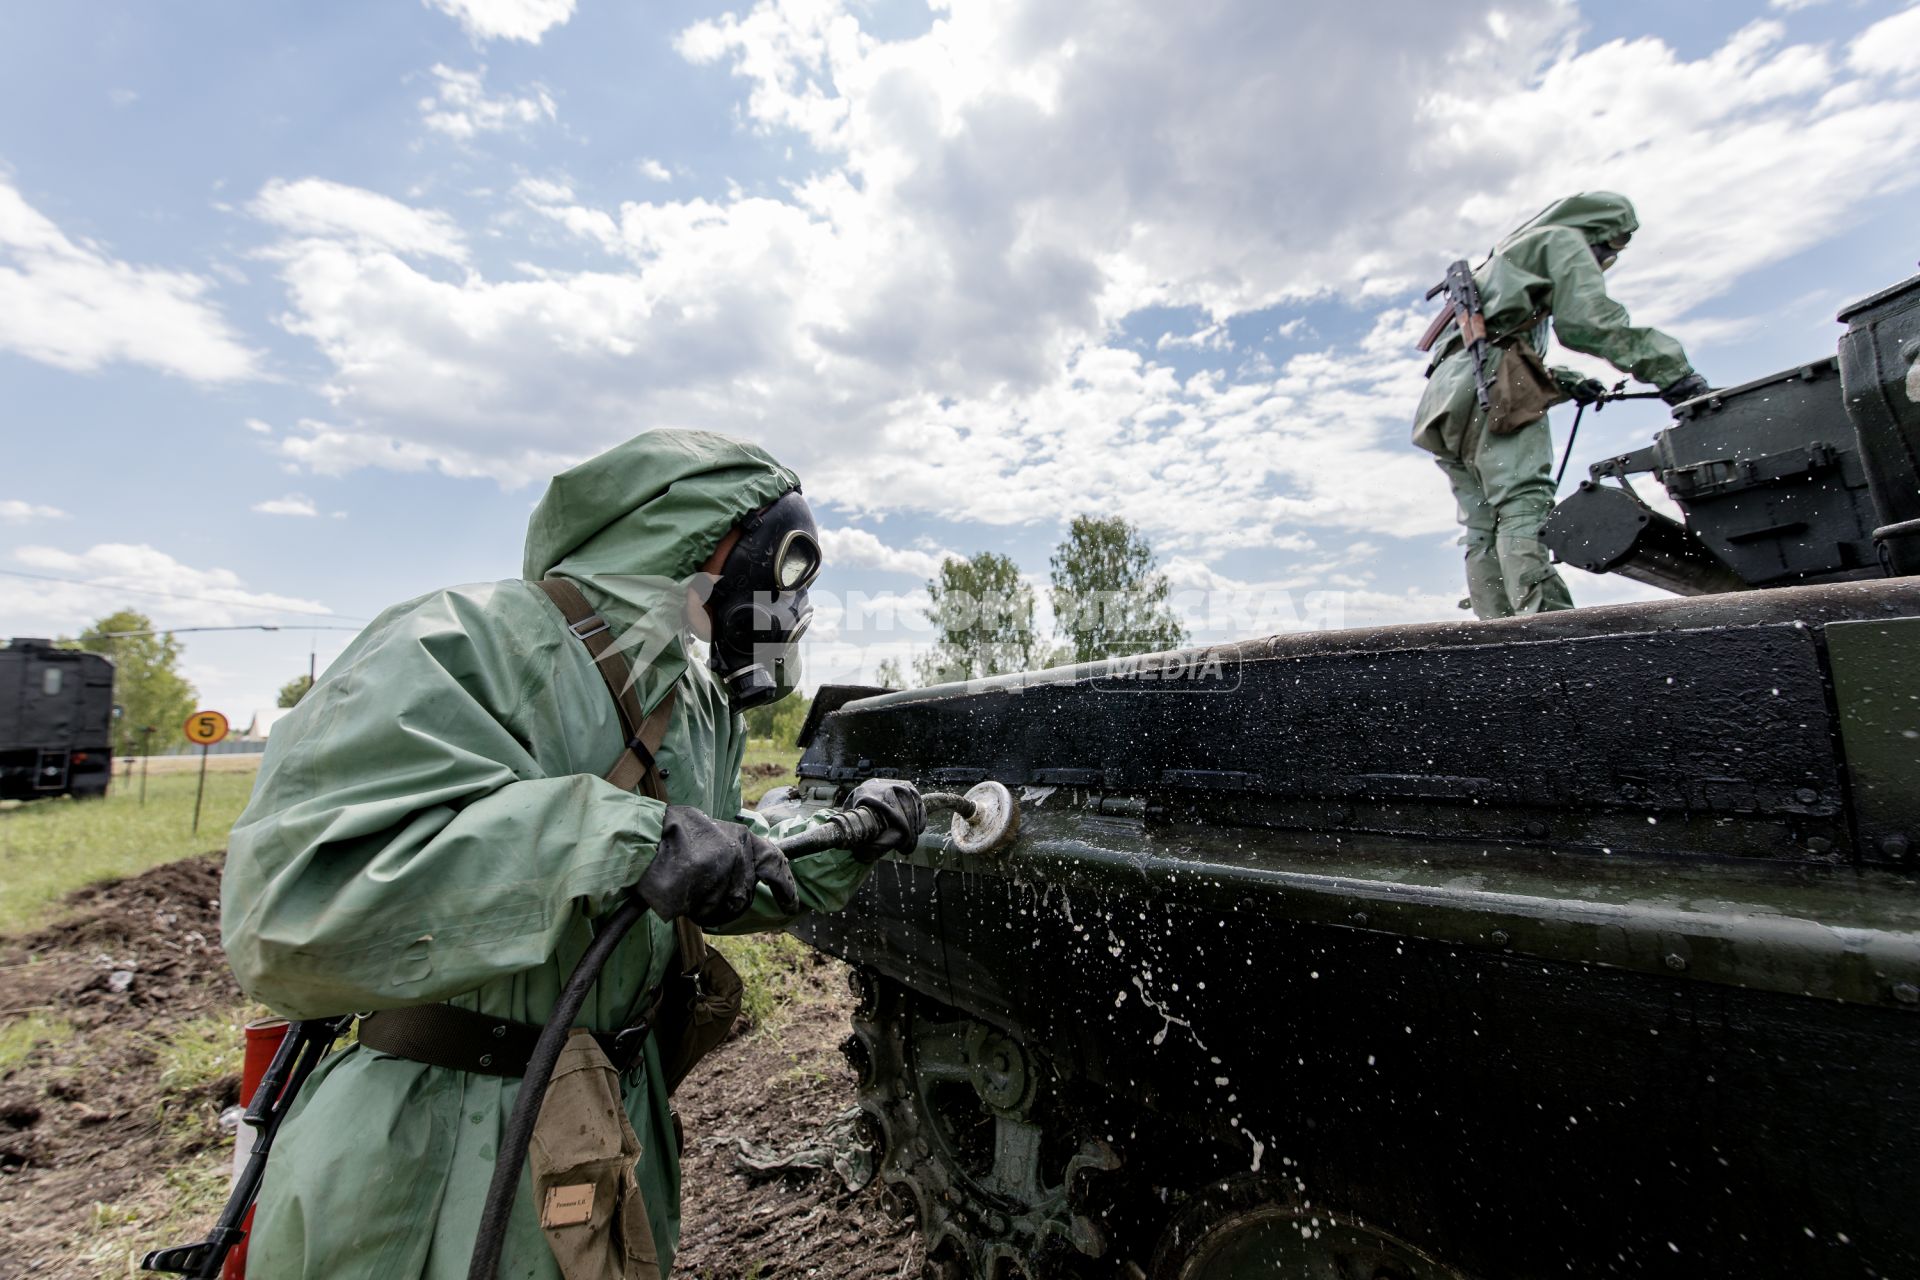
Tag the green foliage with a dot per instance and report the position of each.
(888, 674)
(766, 765)
(772, 967)
(51, 847)
(146, 681)
(984, 614)
(21, 1036)
(293, 690)
(779, 721)
(1108, 595)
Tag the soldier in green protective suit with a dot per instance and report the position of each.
(1501, 463)
(431, 825)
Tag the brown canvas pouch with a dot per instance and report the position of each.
(697, 1008)
(1523, 389)
(583, 1156)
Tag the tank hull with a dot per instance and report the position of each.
(1623, 982)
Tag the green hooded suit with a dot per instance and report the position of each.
(430, 824)
(1504, 483)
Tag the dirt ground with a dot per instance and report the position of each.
(81, 1122)
(98, 1150)
(781, 1088)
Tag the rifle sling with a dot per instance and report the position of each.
(637, 765)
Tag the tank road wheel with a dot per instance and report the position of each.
(1242, 1229)
(970, 1142)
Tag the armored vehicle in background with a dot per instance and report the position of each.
(56, 721)
(1572, 945)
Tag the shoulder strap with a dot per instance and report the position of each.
(638, 766)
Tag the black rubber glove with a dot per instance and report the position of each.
(1686, 389)
(901, 810)
(706, 870)
(1587, 390)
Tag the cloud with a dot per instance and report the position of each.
(929, 320)
(294, 504)
(122, 575)
(460, 108)
(330, 451)
(1211, 337)
(258, 427)
(525, 20)
(14, 511)
(1890, 47)
(1781, 145)
(1203, 465)
(859, 549)
(71, 304)
(651, 168)
(332, 215)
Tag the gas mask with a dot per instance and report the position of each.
(758, 603)
(1607, 252)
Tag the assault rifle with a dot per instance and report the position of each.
(1463, 305)
(306, 1043)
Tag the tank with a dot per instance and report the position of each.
(56, 721)
(1808, 475)
(1579, 944)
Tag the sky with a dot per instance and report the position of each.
(300, 305)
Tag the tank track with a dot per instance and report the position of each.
(1009, 1179)
(975, 1142)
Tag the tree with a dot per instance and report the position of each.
(295, 689)
(146, 680)
(984, 615)
(780, 720)
(888, 675)
(1108, 595)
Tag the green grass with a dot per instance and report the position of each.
(176, 1208)
(200, 1051)
(771, 966)
(197, 1065)
(48, 848)
(761, 752)
(20, 1037)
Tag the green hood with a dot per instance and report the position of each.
(634, 523)
(1597, 215)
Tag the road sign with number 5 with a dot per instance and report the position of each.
(204, 728)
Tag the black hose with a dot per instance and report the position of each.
(1599, 404)
(533, 1089)
(848, 827)
(1565, 457)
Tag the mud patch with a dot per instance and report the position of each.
(87, 1121)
